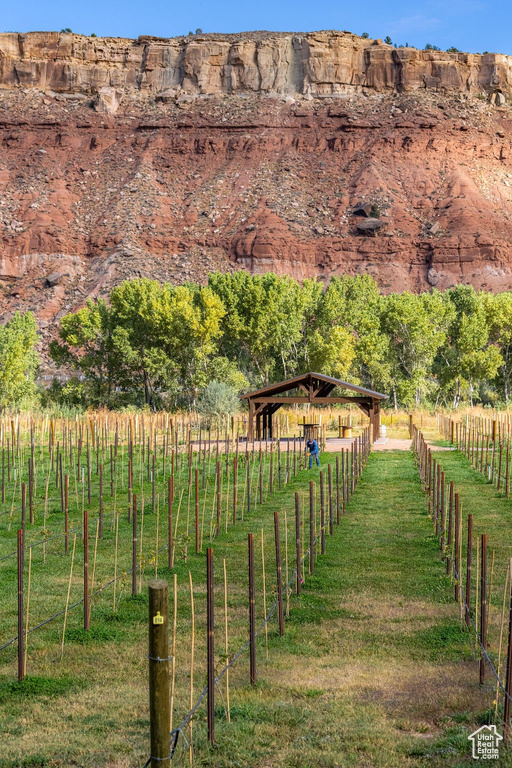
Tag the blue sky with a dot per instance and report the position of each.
(470, 25)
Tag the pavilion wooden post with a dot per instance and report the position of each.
(250, 422)
(374, 420)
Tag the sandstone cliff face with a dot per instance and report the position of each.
(172, 158)
(320, 63)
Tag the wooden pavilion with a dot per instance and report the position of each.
(312, 388)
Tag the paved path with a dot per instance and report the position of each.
(334, 445)
(392, 444)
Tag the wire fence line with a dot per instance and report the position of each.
(175, 733)
(458, 579)
(242, 457)
(79, 602)
(296, 574)
(57, 536)
(479, 639)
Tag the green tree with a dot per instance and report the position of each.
(467, 357)
(263, 326)
(355, 304)
(154, 344)
(416, 327)
(90, 345)
(226, 371)
(498, 311)
(170, 334)
(332, 353)
(18, 360)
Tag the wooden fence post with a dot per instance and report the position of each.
(469, 558)
(218, 474)
(329, 488)
(297, 542)
(210, 644)
(322, 515)
(279, 574)
(450, 529)
(66, 513)
(235, 490)
(252, 611)
(508, 679)
(311, 526)
(159, 702)
(197, 508)
(134, 545)
(337, 490)
(21, 652)
(86, 569)
(100, 529)
(483, 604)
(456, 549)
(248, 483)
(170, 501)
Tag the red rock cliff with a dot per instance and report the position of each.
(170, 158)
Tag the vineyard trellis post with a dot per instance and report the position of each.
(158, 655)
(483, 605)
(279, 573)
(21, 555)
(86, 569)
(252, 611)
(210, 652)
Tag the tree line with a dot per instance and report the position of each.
(162, 346)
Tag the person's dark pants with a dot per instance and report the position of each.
(317, 457)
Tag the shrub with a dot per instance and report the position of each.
(218, 400)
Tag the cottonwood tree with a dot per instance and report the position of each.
(355, 304)
(498, 310)
(332, 353)
(18, 360)
(263, 323)
(90, 346)
(416, 327)
(466, 358)
(153, 342)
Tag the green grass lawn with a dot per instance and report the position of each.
(492, 514)
(374, 668)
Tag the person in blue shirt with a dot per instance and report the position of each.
(313, 451)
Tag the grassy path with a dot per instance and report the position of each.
(373, 671)
(492, 514)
